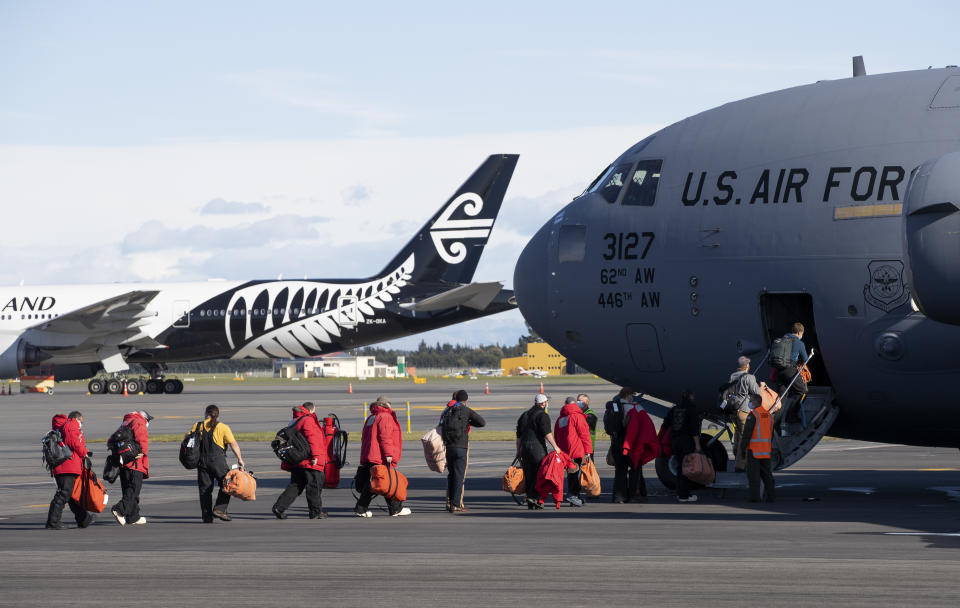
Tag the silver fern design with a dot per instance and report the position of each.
(308, 329)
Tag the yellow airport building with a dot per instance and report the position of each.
(540, 355)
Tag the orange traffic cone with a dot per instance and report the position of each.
(125, 390)
(541, 387)
(486, 390)
(350, 388)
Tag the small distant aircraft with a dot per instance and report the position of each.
(536, 373)
(79, 331)
(491, 372)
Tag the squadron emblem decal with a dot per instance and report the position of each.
(886, 289)
(447, 229)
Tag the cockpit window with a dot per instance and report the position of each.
(611, 182)
(642, 190)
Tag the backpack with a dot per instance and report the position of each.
(291, 445)
(454, 423)
(55, 452)
(123, 445)
(780, 351)
(190, 447)
(614, 422)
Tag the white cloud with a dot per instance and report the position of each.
(218, 206)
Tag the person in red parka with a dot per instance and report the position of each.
(308, 473)
(573, 437)
(132, 473)
(67, 472)
(380, 443)
(640, 442)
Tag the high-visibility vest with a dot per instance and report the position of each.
(762, 438)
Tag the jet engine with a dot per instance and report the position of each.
(931, 220)
(16, 355)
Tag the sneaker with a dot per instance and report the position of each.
(140, 521)
(120, 518)
(459, 510)
(402, 512)
(89, 520)
(222, 515)
(319, 515)
(534, 505)
(278, 513)
(691, 498)
(360, 513)
(573, 500)
(56, 526)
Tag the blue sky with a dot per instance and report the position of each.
(334, 130)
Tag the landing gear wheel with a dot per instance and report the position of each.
(179, 387)
(134, 386)
(114, 387)
(97, 386)
(717, 453)
(153, 387)
(170, 386)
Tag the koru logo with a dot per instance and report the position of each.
(886, 289)
(446, 229)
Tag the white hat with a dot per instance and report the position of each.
(540, 398)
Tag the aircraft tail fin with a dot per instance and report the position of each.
(448, 247)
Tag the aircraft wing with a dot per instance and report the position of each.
(107, 323)
(472, 295)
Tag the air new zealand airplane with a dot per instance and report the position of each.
(79, 331)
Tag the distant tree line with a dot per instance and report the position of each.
(426, 356)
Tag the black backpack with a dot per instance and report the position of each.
(614, 416)
(123, 445)
(291, 445)
(111, 469)
(55, 451)
(454, 423)
(780, 352)
(190, 447)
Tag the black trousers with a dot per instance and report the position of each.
(628, 482)
(131, 482)
(530, 461)
(362, 483)
(683, 484)
(205, 477)
(65, 484)
(456, 475)
(300, 480)
(758, 470)
(573, 480)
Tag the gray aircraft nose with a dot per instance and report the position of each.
(530, 280)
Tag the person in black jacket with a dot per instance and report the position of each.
(684, 439)
(455, 426)
(534, 432)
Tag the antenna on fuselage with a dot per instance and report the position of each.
(858, 67)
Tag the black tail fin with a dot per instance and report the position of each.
(448, 247)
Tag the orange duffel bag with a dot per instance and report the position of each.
(241, 484)
(513, 481)
(89, 493)
(768, 397)
(388, 482)
(590, 479)
(698, 468)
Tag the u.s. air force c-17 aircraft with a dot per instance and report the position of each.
(77, 331)
(835, 204)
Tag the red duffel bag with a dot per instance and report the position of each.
(698, 468)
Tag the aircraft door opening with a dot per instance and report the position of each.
(181, 313)
(779, 311)
(347, 316)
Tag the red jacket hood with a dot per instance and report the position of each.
(58, 421)
(571, 409)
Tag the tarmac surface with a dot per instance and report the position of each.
(854, 523)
